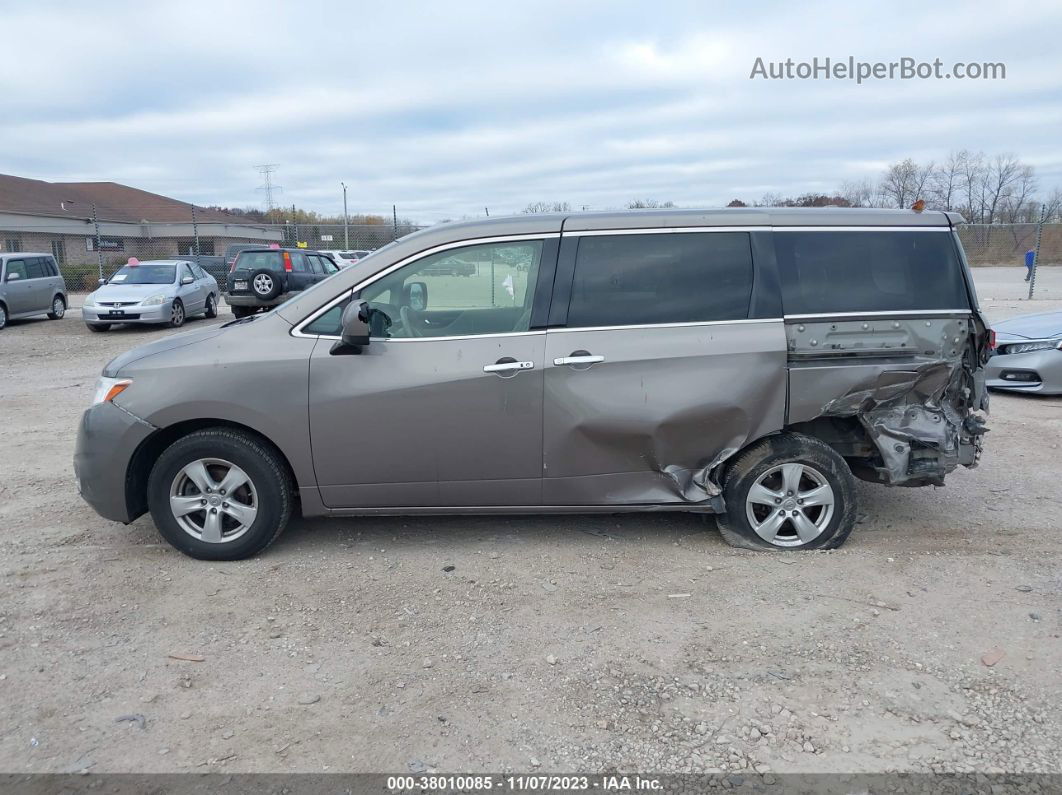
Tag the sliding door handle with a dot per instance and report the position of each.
(585, 359)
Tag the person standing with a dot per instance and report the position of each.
(1030, 260)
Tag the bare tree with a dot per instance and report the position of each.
(547, 207)
(943, 188)
(1019, 206)
(972, 186)
(858, 193)
(1001, 176)
(648, 204)
(905, 182)
(1054, 206)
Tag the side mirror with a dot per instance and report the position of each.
(354, 329)
(14, 277)
(101, 282)
(415, 296)
(187, 280)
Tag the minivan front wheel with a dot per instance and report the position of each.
(788, 491)
(220, 494)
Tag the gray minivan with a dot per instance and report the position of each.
(746, 363)
(30, 285)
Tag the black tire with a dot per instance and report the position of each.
(3, 317)
(262, 464)
(211, 310)
(177, 314)
(763, 460)
(58, 308)
(242, 311)
(263, 278)
(99, 326)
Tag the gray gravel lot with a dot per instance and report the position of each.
(555, 643)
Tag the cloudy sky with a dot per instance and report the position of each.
(447, 108)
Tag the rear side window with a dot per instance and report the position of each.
(35, 269)
(253, 260)
(830, 272)
(624, 280)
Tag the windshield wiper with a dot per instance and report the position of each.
(239, 320)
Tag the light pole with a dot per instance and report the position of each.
(96, 225)
(346, 236)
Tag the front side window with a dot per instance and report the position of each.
(624, 280)
(830, 272)
(467, 291)
(16, 266)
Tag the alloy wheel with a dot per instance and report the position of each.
(213, 500)
(790, 505)
(263, 284)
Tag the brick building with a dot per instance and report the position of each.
(57, 217)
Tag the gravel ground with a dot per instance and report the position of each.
(630, 643)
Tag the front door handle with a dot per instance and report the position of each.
(581, 359)
(508, 367)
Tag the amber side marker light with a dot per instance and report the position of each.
(107, 389)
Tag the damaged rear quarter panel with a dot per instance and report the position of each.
(668, 404)
(913, 383)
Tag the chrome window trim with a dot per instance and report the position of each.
(860, 229)
(664, 230)
(659, 230)
(692, 324)
(884, 313)
(296, 330)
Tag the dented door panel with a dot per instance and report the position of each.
(652, 421)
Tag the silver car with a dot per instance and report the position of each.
(30, 285)
(745, 363)
(154, 291)
(1028, 355)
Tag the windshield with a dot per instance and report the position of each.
(144, 274)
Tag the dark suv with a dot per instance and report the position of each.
(261, 278)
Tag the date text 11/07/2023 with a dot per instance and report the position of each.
(523, 783)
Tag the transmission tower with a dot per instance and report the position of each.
(267, 187)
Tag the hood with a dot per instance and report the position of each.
(169, 343)
(128, 292)
(1031, 327)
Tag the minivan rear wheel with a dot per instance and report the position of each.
(58, 308)
(220, 494)
(788, 492)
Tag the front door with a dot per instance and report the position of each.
(444, 406)
(658, 372)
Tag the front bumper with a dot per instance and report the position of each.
(1044, 368)
(131, 314)
(106, 441)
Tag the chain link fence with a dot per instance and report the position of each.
(1006, 244)
(88, 249)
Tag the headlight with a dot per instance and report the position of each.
(1029, 347)
(107, 389)
(154, 300)
(90, 300)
